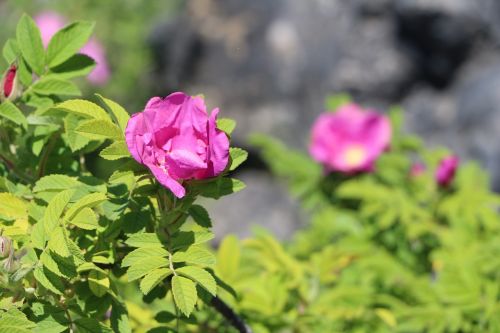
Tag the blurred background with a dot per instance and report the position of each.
(270, 65)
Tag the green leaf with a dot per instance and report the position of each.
(75, 140)
(88, 201)
(185, 296)
(56, 86)
(98, 283)
(120, 115)
(144, 240)
(238, 156)
(55, 209)
(333, 102)
(85, 219)
(14, 321)
(77, 65)
(55, 183)
(98, 129)
(115, 151)
(141, 268)
(228, 257)
(68, 41)
(58, 242)
(195, 255)
(84, 109)
(10, 51)
(142, 254)
(226, 125)
(220, 187)
(184, 239)
(49, 319)
(200, 216)
(200, 276)
(119, 318)
(89, 325)
(9, 111)
(49, 280)
(154, 278)
(30, 43)
(57, 265)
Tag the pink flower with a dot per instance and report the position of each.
(445, 172)
(101, 73)
(177, 140)
(51, 22)
(417, 169)
(350, 140)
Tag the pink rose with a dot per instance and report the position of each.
(51, 22)
(445, 172)
(177, 140)
(350, 140)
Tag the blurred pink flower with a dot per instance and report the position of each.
(177, 140)
(51, 22)
(417, 169)
(350, 140)
(445, 172)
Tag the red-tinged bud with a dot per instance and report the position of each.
(9, 89)
(5, 246)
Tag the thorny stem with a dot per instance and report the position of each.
(228, 313)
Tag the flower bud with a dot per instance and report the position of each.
(5, 246)
(10, 86)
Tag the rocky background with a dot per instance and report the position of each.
(269, 65)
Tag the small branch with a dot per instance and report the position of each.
(45, 156)
(228, 313)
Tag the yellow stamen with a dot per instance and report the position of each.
(354, 155)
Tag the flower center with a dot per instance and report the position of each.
(354, 155)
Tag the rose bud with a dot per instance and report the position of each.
(10, 86)
(350, 140)
(177, 140)
(5, 246)
(445, 172)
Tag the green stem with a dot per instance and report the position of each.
(46, 153)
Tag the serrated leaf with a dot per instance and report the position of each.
(238, 156)
(143, 253)
(115, 151)
(119, 318)
(85, 219)
(144, 240)
(38, 235)
(98, 283)
(84, 109)
(184, 239)
(9, 111)
(57, 265)
(58, 242)
(98, 129)
(10, 51)
(56, 86)
(77, 65)
(66, 42)
(75, 140)
(226, 125)
(185, 296)
(152, 279)
(195, 255)
(30, 43)
(220, 187)
(55, 183)
(49, 280)
(55, 209)
(200, 216)
(89, 201)
(13, 207)
(119, 113)
(200, 276)
(88, 325)
(139, 269)
(89, 266)
(14, 321)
